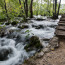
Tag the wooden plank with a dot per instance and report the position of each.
(60, 33)
(60, 27)
(61, 24)
(62, 19)
(63, 15)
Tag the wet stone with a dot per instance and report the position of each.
(39, 55)
(37, 26)
(23, 26)
(54, 42)
(4, 54)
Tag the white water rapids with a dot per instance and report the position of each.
(16, 41)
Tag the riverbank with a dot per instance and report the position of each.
(55, 57)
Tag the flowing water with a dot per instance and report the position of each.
(15, 42)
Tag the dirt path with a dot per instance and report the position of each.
(56, 57)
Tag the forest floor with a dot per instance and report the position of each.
(56, 57)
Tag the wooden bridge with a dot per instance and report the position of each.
(60, 29)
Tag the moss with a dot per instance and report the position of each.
(34, 44)
(1, 23)
(2, 20)
(14, 22)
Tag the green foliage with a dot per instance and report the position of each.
(15, 9)
(28, 33)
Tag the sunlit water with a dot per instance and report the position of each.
(17, 40)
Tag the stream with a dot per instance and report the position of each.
(12, 45)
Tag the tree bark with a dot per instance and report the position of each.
(5, 8)
(59, 7)
(55, 6)
(20, 2)
(31, 9)
(26, 8)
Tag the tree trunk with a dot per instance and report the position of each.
(31, 9)
(55, 6)
(6, 8)
(55, 9)
(20, 2)
(59, 7)
(26, 8)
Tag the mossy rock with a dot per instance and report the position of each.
(2, 20)
(23, 26)
(2, 31)
(1, 23)
(7, 23)
(34, 43)
(14, 23)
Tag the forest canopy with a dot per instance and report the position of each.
(28, 8)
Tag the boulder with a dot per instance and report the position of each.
(37, 26)
(14, 22)
(39, 55)
(23, 26)
(2, 31)
(34, 43)
(7, 23)
(45, 39)
(4, 54)
(54, 42)
(46, 50)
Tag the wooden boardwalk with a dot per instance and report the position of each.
(60, 29)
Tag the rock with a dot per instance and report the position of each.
(23, 26)
(54, 42)
(53, 26)
(39, 55)
(34, 43)
(46, 39)
(2, 20)
(7, 23)
(1, 23)
(46, 50)
(52, 49)
(14, 22)
(2, 31)
(37, 26)
(4, 54)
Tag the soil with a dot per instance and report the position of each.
(56, 57)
